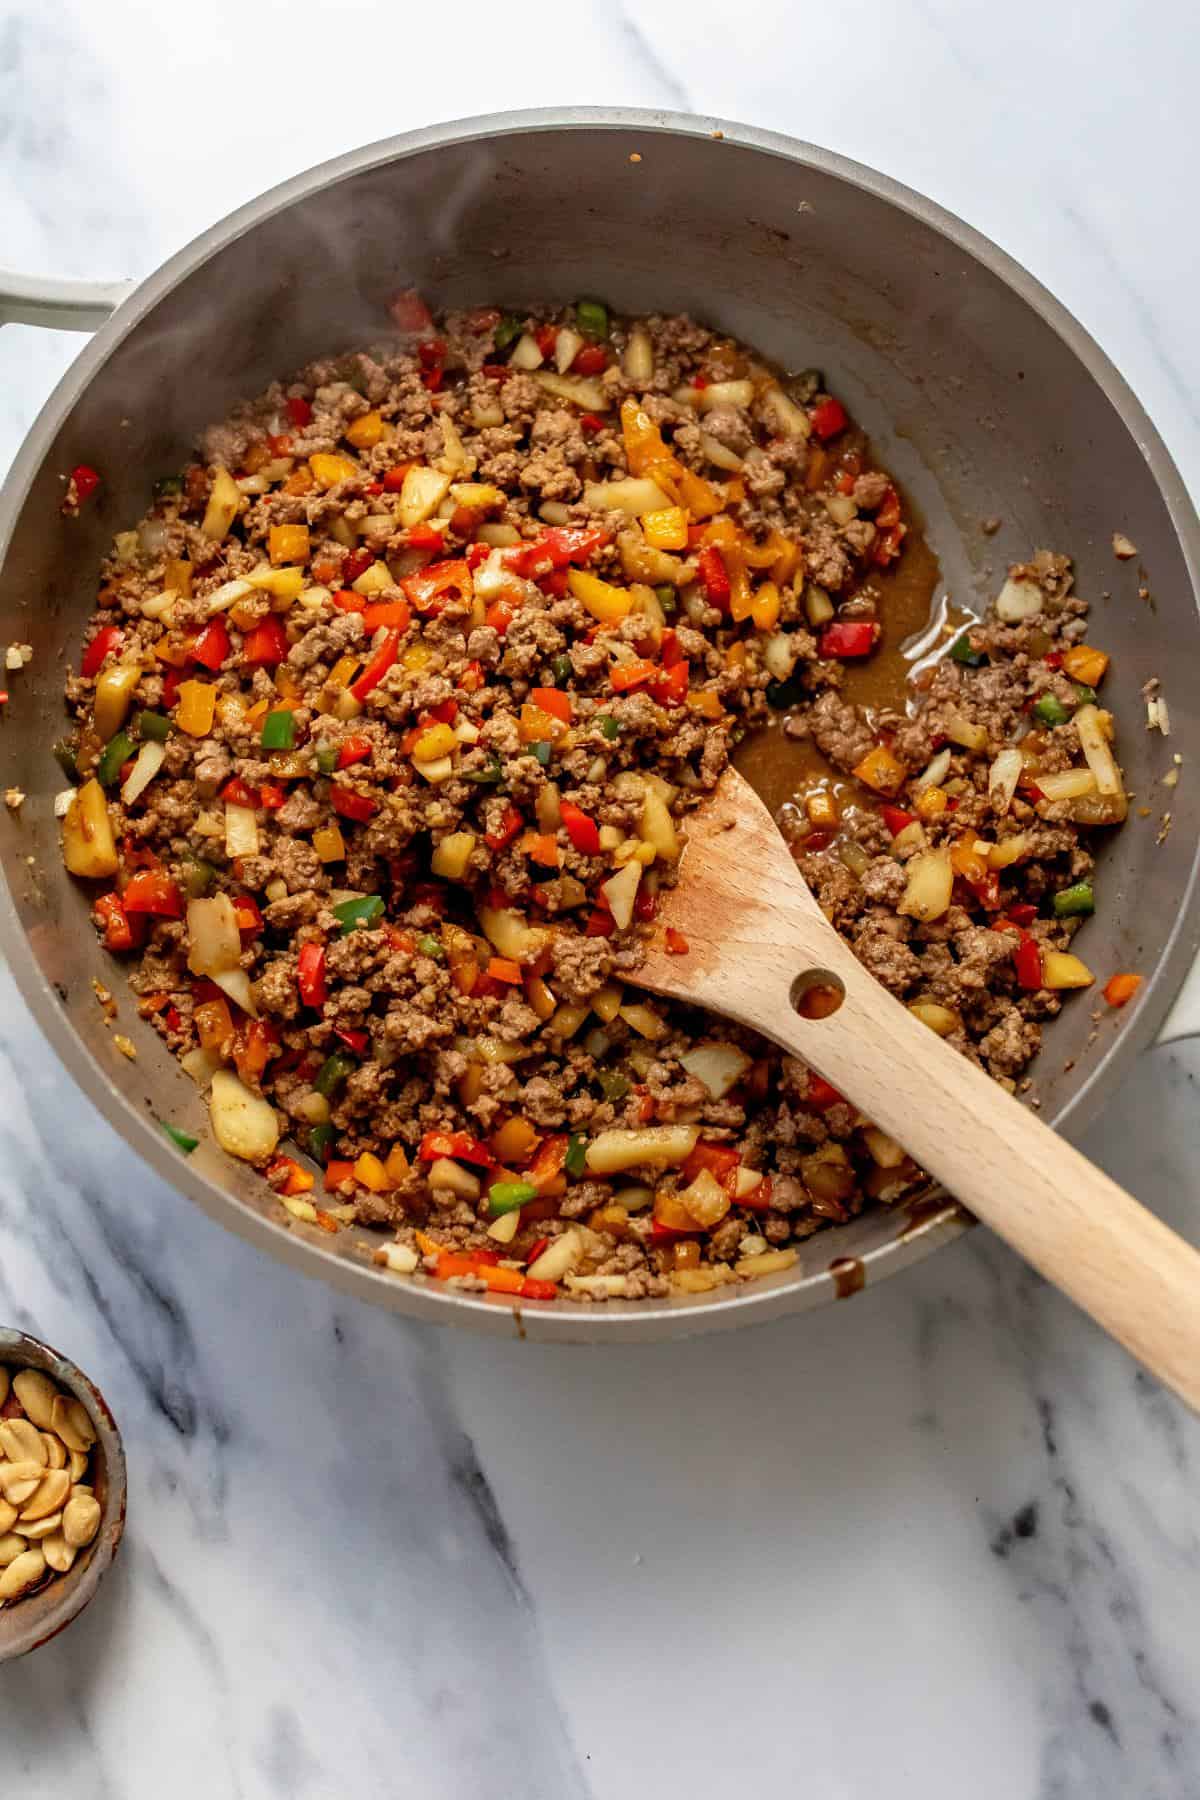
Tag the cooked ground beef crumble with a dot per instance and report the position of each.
(389, 721)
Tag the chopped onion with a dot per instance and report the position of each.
(634, 495)
(853, 857)
(201, 1065)
(554, 512)
(611, 1151)
(841, 508)
(1067, 784)
(1008, 851)
(455, 457)
(935, 774)
(147, 763)
(590, 396)
(558, 1258)
(1018, 600)
(638, 362)
(1095, 748)
(244, 1123)
(785, 414)
(779, 654)
(152, 536)
(930, 885)
(960, 730)
(526, 354)
(499, 536)
(157, 606)
(720, 453)
(620, 890)
(236, 983)
(62, 803)
(818, 607)
(226, 596)
(725, 393)
(241, 830)
(1003, 777)
(718, 1067)
(214, 941)
(567, 346)
(486, 414)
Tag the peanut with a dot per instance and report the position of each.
(21, 1441)
(37, 1394)
(22, 1573)
(81, 1520)
(52, 1493)
(70, 1419)
(11, 1546)
(56, 1450)
(19, 1481)
(58, 1553)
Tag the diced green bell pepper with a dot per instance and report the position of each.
(507, 1196)
(118, 750)
(575, 1161)
(182, 1140)
(507, 331)
(332, 1072)
(350, 914)
(1075, 901)
(613, 1085)
(1051, 711)
(591, 316)
(154, 725)
(279, 730)
(963, 651)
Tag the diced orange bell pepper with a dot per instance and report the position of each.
(288, 544)
(1084, 663)
(554, 701)
(1119, 989)
(197, 705)
(515, 1141)
(366, 431)
(538, 727)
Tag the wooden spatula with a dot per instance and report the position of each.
(760, 950)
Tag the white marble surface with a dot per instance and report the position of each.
(938, 1542)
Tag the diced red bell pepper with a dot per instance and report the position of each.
(714, 577)
(645, 906)
(394, 479)
(547, 1165)
(356, 1041)
(677, 944)
(252, 1051)
(433, 378)
(1053, 659)
(171, 684)
(153, 891)
(410, 313)
(108, 639)
(669, 651)
(212, 646)
(432, 353)
(828, 418)
(759, 1198)
(896, 819)
(310, 974)
(350, 804)
(887, 513)
(266, 645)
(118, 926)
(670, 686)
(504, 969)
(1023, 913)
(492, 371)
(337, 1172)
(378, 666)
(556, 584)
(821, 1095)
(299, 411)
(357, 563)
(429, 589)
(721, 1160)
(591, 360)
(459, 1145)
(271, 796)
(173, 1018)
(354, 749)
(887, 546)
(1027, 960)
(582, 830)
(848, 637)
(392, 615)
(500, 616)
(425, 537)
(600, 924)
(85, 481)
(545, 337)
(626, 675)
(510, 824)
(237, 793)
(249, 918)
(592, 423)
(472, 678)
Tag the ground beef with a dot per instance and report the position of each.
(446, 773)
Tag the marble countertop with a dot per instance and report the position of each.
(939, 1541)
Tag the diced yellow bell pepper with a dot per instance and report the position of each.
(328, 470)
(417, 656)
(699, 496)
(822, 807)
(604, 601)
(397, 1164)
(223, 502)
(366, 431)
(439, 740)
(1062, 970)
(453, 853)
(765, 608)
(114, 696)
(172, 651)
(197, 704)
(177, 575)
(257, 712)
(537, 727)
(931, 802)
(288, 544)
(880, 770)
(286, 683)
(705, 702)
(372, 1174)
(666, 529)
(343, 671)
(329, 844)
(88, 846)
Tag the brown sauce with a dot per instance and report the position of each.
(918, 622)
(928, 1207)
(849, 1276)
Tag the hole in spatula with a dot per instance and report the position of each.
(817, 994)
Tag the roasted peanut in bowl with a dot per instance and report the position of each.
(62, 1492)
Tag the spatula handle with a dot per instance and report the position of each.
(1133, 1274)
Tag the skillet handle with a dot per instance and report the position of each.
(58, 305)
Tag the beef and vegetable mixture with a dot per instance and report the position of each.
(387, 729)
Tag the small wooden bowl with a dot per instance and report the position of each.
(27, 1623)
